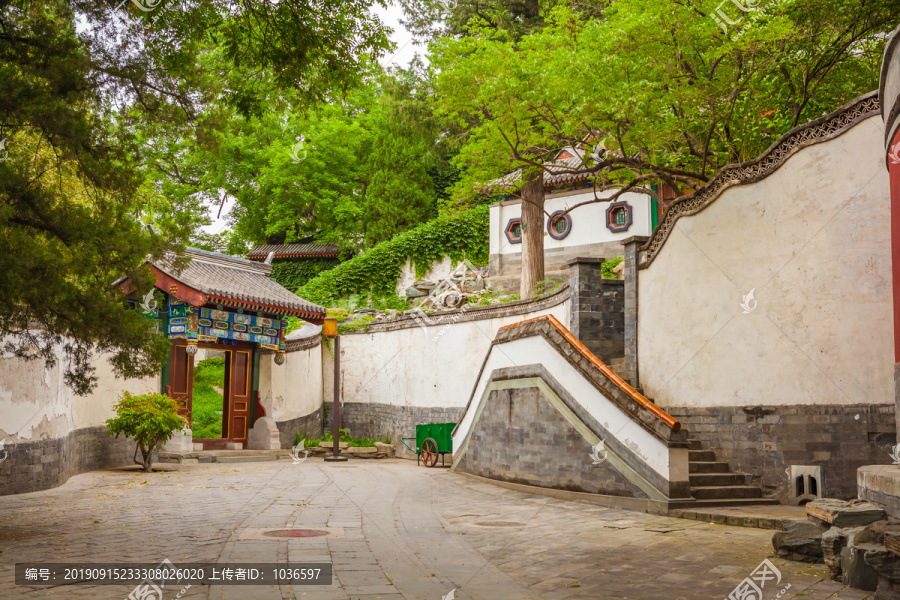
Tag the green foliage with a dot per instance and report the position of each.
(207, 404)
(345, 437)
(149, 419)
(92, 89)
(608, 265)
(672, 108)
(352, 171)
(375, 272)
(293, 275)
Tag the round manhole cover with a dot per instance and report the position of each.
(295, 533)
(499, 524)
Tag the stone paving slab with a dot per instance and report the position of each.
(773, 516)
(409, 532)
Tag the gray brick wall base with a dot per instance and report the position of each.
(372, 420)
(521, 438)
(309, 427)
(765, 441)
(44, 464)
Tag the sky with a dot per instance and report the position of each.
(401, 56)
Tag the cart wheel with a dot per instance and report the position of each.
(429, 452)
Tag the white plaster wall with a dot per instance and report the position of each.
(432, 366)
(36, 404)
(588, 222)
(293, 389)
(813, 242)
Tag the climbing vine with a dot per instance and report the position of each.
(292, 275)
(375, 272)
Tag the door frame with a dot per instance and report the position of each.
(232, 402)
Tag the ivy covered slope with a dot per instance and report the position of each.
(292, 275)
(461, 235)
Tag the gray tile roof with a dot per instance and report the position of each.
(235, 281)
(554, 175)
(289, 250)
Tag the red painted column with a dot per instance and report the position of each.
(893, 161)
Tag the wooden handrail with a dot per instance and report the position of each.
(610, 374)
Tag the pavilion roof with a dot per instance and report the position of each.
(234, 282)
(294, 250)
(557, 172)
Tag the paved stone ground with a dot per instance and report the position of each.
(408, 533)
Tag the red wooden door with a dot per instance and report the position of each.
(181, 378)
(239, 392)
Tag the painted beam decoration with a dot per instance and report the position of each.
(213, 324)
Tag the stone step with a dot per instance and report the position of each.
(701, 455)
(717, 479)
(617, 364)
(709, 467)
(695, 444)
(245, 459)
(750, 512)
(719, 492)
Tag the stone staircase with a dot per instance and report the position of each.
(713, 483)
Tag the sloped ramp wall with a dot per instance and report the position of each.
(542, 403)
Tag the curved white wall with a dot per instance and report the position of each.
(433, 366)
(813, 242)
(293, 389)
(36, 404)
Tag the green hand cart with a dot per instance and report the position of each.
(432, 439)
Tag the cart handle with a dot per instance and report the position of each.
(407, 445)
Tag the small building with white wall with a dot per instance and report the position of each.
(596, 229)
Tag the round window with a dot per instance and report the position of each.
(559, 225)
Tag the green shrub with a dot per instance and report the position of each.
(345, 437)
(149, 419)
(375, 272)
(608, 265)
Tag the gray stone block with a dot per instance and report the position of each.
(264, 435)
(800, 540)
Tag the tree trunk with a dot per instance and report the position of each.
(148, 459)
(532, 233)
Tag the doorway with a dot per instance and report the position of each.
(218, 380)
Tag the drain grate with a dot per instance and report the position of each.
(295, 533)
(499, 524)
